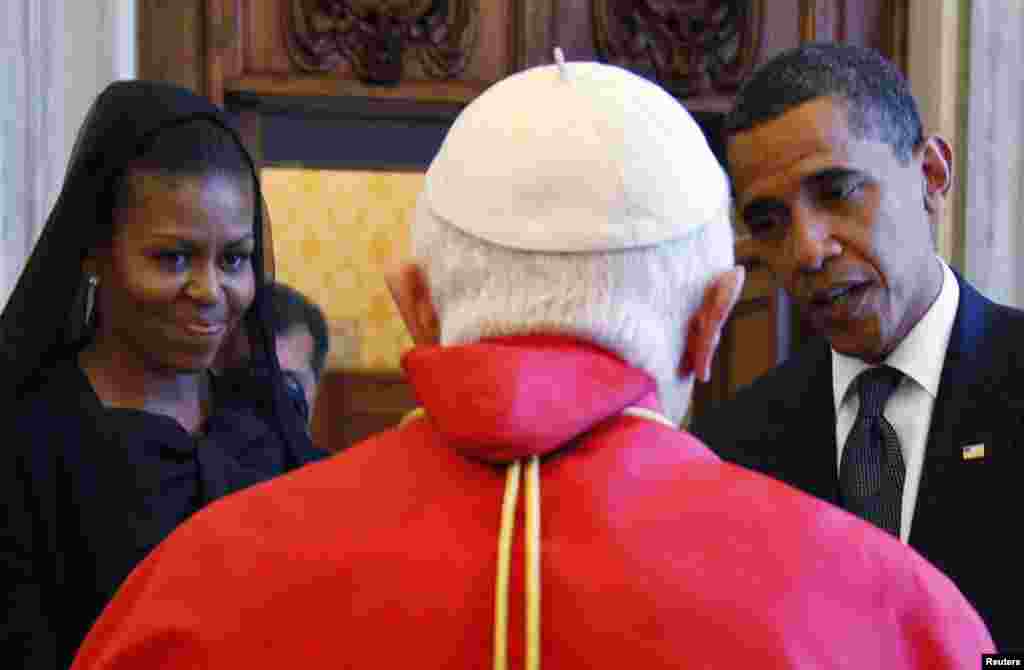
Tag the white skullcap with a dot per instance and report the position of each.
(576, 157)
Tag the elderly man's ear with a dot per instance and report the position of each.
(411, 293)
(705, 329)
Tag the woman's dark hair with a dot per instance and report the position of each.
(184, 150)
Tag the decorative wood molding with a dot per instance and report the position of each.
(451, 92)
(533, 34)
(840, 34)
(936, 65)
(808, 20)
(374, 36)
(895, 22)
(691, 49)
(170, 43)
(221, 34)
(351, 405)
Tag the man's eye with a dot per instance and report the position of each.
(235, 262)
(844, 190)
(173, 260)
(762, 226)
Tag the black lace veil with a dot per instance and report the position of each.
(43, 320)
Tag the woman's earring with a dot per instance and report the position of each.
(92, 281)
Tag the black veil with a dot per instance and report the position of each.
(43, 320)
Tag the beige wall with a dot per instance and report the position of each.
(994, 153)
(335, 232)
(965, 60)
(935, 66)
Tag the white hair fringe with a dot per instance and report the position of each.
(636, 303)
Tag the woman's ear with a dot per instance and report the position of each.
(411, 294)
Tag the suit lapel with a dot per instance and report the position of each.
(813, 468)
(951, 425)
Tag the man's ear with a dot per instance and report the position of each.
(937, 166)
(705, 327)
(411, 293)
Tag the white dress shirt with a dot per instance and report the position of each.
(919, 357)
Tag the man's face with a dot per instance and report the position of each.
(841, 222)
(295, 353)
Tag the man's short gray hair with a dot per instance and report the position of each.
(636, 303)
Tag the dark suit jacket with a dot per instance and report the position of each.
(967, 515)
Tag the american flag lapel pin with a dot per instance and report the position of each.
(973, 452)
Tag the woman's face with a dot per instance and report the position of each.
(178, 274)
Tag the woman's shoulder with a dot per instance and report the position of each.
(47, 423)
(56, 396)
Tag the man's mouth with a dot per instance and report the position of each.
(837, 296)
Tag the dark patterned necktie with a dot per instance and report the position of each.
(871, 471)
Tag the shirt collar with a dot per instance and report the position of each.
(921, 354)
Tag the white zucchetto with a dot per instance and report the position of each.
(576, 157)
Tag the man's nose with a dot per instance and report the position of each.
(810, 242)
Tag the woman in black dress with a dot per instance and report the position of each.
(151, 266)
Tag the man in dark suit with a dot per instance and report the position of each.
(302, 339)
(842, 192)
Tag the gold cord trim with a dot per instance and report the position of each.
(650, 414)
(508, 521)
(412, 416)
(533, 564)
(532, 571)
(532, 541)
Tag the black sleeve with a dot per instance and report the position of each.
(28, 638)
(703, 428)
(745, 442)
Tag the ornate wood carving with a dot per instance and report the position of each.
(532, 33)
(373, 36)
(808, 20)
(895, 22)
(690, 47)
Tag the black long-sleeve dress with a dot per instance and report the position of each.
(91, 490)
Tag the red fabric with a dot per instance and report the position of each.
(655, 554)
(571, 385)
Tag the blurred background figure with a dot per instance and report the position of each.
(302, 341)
